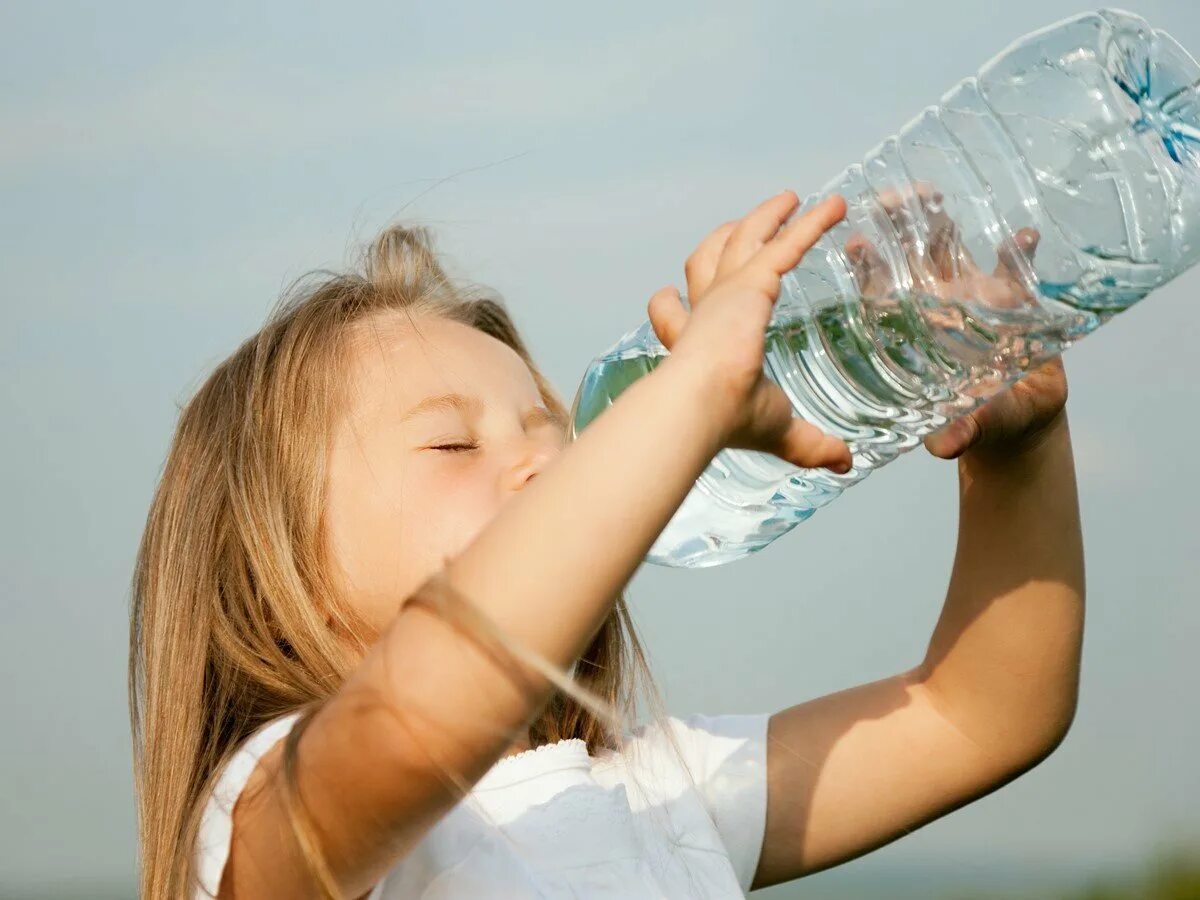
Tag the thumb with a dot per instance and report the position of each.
(955, 438)
(1013, 257)
(667, 315)
(808, 446)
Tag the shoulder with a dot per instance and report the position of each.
(710, 746)
(715, 741)
(216, 822)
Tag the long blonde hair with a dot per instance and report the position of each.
(233, 613)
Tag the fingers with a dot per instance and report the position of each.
(701, 267)
(795, 239)
(758, 227)
(940, 259)
(1013, 282)
(772, 426)
(951, 259)
(955, 439)
(932, 240)
(1013, 258)
(920, 199)
(872, 274)
(808, 446)
(926, 193)
(667, 315)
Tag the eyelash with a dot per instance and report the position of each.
(460, 447)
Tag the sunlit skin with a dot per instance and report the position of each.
(411, 481)
(997, 687)
(405, 490)
(408, 488)
(994, 693)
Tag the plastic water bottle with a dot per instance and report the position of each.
(1088, 131)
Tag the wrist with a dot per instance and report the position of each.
(702, 388)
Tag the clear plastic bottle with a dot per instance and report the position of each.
(1088, 131)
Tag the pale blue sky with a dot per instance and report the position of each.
(165, 172)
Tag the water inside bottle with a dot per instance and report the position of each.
(877, 372)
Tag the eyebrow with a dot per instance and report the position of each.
(539, 415)
(460, 402)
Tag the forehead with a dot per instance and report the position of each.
(408, 360)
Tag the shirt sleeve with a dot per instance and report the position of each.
(216, 823)
(727, 757)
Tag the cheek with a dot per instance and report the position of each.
(367, 540)
(393, 530)
(447, 509)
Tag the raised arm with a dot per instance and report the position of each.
(997, 688)
(994, 695)
(427, 700)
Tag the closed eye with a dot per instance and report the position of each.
(455, 447)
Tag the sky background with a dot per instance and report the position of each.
(166, 171)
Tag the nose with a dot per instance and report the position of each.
(533, 459)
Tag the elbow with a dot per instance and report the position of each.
(1044, 741)
(1018, 733)
(1059, 733)
(1062, 715)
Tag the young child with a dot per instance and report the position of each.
(373, 553)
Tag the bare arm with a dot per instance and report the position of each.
(427, 700)
(1003, 663)
(994, 695)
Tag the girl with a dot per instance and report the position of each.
(372, 553)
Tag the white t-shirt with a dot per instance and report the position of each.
(555, 821)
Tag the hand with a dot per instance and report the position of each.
(1012, 421)
(939, 263)
(1017, 417)
(733, 282)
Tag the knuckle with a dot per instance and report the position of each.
(761, 278)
